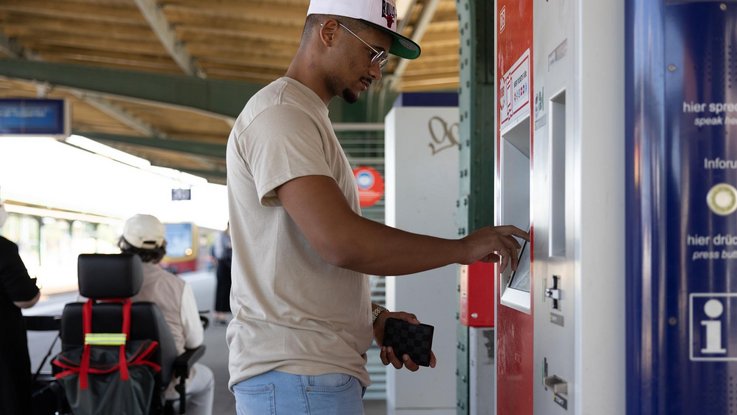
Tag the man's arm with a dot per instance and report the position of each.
(28, 303)
(19, 287)
(345, 239)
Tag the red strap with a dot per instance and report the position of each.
(156, 368)
(87, 317)
(141, 359)
(84, 366)
(142, 355)
(65, 374)
(127, 318)
(122, 361)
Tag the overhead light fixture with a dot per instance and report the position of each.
(134, 161)
(180, 176)
(107, 151)
(12, 207)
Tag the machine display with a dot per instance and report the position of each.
(520, 279)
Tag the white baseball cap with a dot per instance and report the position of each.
(144, 231)
(381, 14)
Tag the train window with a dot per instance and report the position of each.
(58, 272)
(179, 240)
(182, 247)
(24, 231)
(83, 237)
(106, 237)
(49, 244)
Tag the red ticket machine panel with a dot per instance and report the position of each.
(477, 295)
(514, 328)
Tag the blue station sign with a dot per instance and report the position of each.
(34, 117)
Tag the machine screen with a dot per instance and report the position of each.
(520, 279)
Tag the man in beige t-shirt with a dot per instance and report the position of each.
(302, 317)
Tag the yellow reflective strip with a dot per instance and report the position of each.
(104, 339)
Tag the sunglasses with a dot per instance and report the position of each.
(379, 57)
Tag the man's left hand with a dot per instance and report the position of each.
(387, 354)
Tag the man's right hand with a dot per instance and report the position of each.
(495, 244)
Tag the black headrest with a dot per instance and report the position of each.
(109, 276)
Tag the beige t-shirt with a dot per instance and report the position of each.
(293, 312)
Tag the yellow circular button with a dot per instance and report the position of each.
(722, 199)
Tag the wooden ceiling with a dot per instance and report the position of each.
(244, 41)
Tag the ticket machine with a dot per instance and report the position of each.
(560, 174)
(616, 146)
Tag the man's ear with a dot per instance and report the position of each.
(327, 31)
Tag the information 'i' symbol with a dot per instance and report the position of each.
(713, 309)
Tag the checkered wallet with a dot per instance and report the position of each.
(412, 339)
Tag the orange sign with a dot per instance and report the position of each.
(370, 185)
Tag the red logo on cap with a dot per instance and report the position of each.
(389, 12)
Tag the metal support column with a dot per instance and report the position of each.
(477, 121)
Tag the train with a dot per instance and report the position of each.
(188, 247)
(50, 240)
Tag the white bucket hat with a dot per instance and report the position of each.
(382, 14)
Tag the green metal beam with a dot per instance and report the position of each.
(215, 96)
(477, 132)
(478, 120)
(180, 146)
(172, 144)
(213, 176)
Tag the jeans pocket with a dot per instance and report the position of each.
(334, 394)
(331, 382)
(254, 399)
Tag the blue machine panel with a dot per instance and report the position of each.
(33, 117)
(681, 207)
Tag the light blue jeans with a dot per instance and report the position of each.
(279, 393)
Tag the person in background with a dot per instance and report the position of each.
(143, 235)
(223, 253)
(302, 313)
(18, 290)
